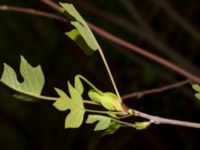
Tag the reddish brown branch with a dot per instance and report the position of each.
(32, 11)
(153, 119)
(155, 90)
(144, 53)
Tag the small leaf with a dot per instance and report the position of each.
(113, 127)
(103, 121)
(197, 95)
(33, 79)
(79, 85)
(75, 104)
(82, 34)
(108, 100)
(141, 125)
(196, 87)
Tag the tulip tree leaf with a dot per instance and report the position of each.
(75, 104)
(102, 124)
(81, 35)
(33, 79)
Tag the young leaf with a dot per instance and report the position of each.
(196, 87)
(103, 121)
(33, 79)
(75, 104)
(108, 100)
(197, 95)
(113, 127)
(82, 34)
(141, 125)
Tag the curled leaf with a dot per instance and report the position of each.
(81, 34)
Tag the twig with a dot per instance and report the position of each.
(153, 119)
(33, 12)
(155, 90)
(159, 120)
(144, 53)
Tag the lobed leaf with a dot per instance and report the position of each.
(33, 79)
(102, 124)
(75, 104)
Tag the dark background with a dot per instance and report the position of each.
(165, 27)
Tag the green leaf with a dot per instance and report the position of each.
(113, 127)
(79, 85)
(103, 121)
(75, 104)
(197, 95)
(108, 100)
(82, 35)
(141, 125)
(33, 79)
(196, 87)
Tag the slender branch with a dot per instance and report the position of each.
(33, 12)
(145, 53)
(159, 120)
(155, 90)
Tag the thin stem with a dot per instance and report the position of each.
(110, 75)
(155, 90)
(123, 122)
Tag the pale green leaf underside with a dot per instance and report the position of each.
(82, 34)
(102, 124)
(33, 78)
(75, 104)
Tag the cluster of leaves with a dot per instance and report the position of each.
(108, 119)
(196, 87)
